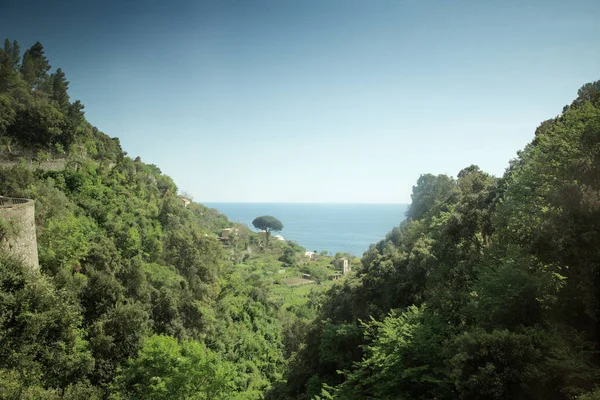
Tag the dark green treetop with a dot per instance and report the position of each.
(268, 224)
(60, 86)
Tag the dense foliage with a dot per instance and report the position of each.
(136, 297)
(489, 290)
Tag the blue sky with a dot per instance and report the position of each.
(316, 100)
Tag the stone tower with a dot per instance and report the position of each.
(20, 240)
(342, 264)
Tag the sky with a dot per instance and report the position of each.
(334, 101)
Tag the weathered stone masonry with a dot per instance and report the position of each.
(22, 241)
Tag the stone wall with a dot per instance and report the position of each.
(51, 165)
(58, 164)
(21, 239)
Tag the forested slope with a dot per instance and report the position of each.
(136, 297)
(489, 290)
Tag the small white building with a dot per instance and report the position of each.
(311, 254)
(279, 237)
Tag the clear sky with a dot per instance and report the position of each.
(316, 100)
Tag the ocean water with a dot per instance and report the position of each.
(332, 227)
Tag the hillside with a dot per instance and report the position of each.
(489, 290)
(133, 283)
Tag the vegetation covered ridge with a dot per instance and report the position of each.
(489, 290)
(137, 297)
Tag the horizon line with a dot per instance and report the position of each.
(295, 202)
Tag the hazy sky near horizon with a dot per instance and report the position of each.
(316, 100)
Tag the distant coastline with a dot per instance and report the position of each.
(335, 227)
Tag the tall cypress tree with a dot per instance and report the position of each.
(40, 66)
(4, 65)
(7, 50)
(16, 54)
(59, 88)
(9, 58)
(28, 69)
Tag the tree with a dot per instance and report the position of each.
(268, 224)
(403, 359)
(60, 86)
(430, 193)
(28, 69)
(40, 331)
(288, 258)
(166, 369)
(9, 59)
(41, 66)
(500, 365)
(37, 123)
(117, 336)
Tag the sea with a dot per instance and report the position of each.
(336, 228)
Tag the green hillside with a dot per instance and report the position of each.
(133, 284)
(489, 290)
